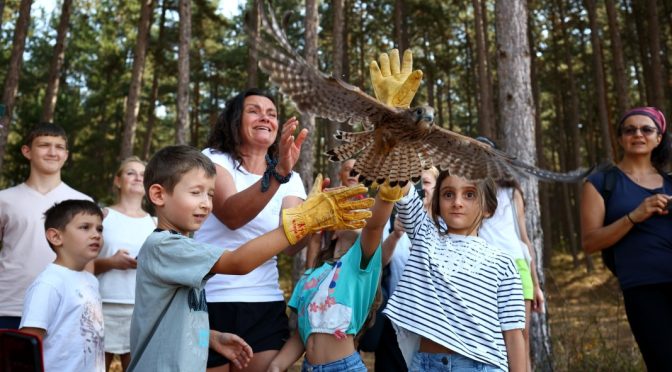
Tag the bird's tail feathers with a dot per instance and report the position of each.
(575, 175)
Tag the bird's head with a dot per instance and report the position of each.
(424, 116)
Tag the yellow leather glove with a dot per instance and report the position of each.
(393, 86)
(392, 194)
(326, 210)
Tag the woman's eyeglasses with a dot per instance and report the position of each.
(646, 130)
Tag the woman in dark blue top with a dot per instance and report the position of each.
(625, 209)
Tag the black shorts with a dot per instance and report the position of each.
(263, 325)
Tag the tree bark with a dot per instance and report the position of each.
(183, 73)
(13, 72)
(158, 65)
(544, 201)
(620, 78)
(486, 109)
(400, 32)
(658, 99)
(518, 128)
(51, 94)
(195, 123)
(133, 102)
(252, 53)
(338, 34)
(605, 129)
(638, 16)
(469, 67)
(570, 124)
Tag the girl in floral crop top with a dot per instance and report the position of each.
(332, 300)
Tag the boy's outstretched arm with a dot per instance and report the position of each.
(322, 210)
(380, 214)
(232, 347)
(291, 352)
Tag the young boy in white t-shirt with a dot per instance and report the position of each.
(62, 306)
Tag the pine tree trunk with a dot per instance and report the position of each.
(400, 33)
(195, 123)
(469, 62)
(658, 99)
(544, 201)
(620, 78)
(133, 103)
(252, 53)
(158, 65)
(338, 33)
(13, 71)
(570, 125)
(486, 109)
(51, 94)
(605, 129)
(638, 16)
(345, 61)
(183, 73)
(516, 109)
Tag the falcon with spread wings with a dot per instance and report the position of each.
(397, 143)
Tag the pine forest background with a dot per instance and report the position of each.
(128, 77)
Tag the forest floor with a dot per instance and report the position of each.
(589, 330)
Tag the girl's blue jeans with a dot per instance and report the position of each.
(350, 363)
(436, 362)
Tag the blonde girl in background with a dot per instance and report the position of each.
(125, 228)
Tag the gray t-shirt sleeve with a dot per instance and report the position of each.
(178, 260)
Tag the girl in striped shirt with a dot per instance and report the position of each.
(459, 304)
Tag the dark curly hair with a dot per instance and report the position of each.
(225, 135)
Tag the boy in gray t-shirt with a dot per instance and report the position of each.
(170, 329)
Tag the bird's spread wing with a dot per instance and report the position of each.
(311, 90)
(472, 159)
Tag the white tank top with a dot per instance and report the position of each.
(500, 229)
(122, 232)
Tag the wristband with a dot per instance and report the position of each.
(630, 218)
(270, 171)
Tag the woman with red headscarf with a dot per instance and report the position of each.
(624, 214)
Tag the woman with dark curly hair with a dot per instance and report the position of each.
(254, 157)
(624, 214)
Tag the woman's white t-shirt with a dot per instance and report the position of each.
(261, 285)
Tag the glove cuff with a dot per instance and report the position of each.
(390, 194)
(293, 225)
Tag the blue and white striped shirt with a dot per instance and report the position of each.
(456, 290)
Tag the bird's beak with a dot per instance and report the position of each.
(428, 118)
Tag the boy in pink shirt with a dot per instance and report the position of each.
(25, 251)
